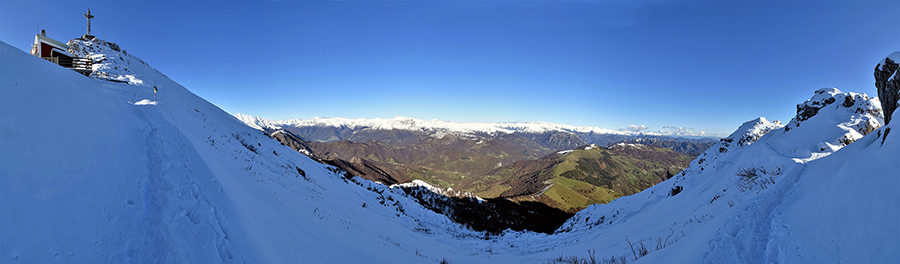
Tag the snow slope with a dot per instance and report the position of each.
(93, 171)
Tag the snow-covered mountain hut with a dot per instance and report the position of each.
(58, 53)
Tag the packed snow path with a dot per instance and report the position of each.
(174, 203)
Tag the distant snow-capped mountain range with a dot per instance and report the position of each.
(438, 126)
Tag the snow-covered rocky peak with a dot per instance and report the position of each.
(853, 102)
(745, 135)
(256, 122)
(111, 62)
(828, 121)
(833, 119)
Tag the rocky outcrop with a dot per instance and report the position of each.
(292, 141)
(748, 133)
(888, 83)
(366, 169)
(867, 110)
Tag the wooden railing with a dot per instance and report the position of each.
(105, 75)
(81, 65)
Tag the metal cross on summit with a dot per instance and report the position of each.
(89, 17)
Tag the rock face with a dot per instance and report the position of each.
(888, 83)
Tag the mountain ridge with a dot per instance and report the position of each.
(437, 127)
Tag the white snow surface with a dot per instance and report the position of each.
(88, 176)
(438, 128)
(145, 102)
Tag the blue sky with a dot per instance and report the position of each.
(699, 64)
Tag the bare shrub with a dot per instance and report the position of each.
(748, 172)
(249, 147)
(639, 250)
(590, 259)
(758, 178)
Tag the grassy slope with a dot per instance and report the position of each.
(585, 177)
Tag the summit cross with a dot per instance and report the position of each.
(89, 17)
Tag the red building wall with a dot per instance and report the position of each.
(45, 49)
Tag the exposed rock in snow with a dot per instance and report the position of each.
(888, 83)
(748, 133)
(292, 141)
(861, 114)
(113, 63)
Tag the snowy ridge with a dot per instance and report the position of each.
(256, 122)
(438, 127)
(586, 148)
